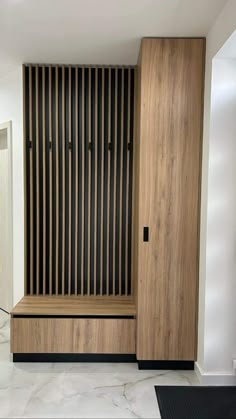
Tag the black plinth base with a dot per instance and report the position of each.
(166, 365)
(142, 365)
(33, 357)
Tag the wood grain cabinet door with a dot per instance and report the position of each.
(66, 335)
(169, 138)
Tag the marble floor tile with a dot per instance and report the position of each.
(79, 390)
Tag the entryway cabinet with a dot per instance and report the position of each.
(112, 199)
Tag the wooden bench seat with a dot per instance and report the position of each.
(75, 306)
(73, 325)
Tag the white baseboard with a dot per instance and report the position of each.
(214, 379)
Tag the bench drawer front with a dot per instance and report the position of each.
(67, 335)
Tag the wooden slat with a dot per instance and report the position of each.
(115, 179)
(95, 175)
(86, 305)
(127, 188)
(37, 178)
(31, 183)
(102, 184)
(44, 182)
(108, 179)
(76, 179)
(50, 179)
(69, 203)
(26, 174)
(63, 183)
(57, 185)
(89, 185)
(82, 192)
(121, 179)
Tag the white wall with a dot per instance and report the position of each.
(220, 311)
(217, 308)
(11, 109)
(6, 261)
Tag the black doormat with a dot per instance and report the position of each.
(182, 402)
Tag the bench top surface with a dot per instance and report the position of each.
(73, 306)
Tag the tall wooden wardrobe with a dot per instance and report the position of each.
(112, 197)
(167, 194)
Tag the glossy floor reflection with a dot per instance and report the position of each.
(79, 390)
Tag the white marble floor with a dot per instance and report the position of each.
(79, 390)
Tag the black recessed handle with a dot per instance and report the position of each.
(145, 234)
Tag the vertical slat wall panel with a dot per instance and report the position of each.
(78, 142)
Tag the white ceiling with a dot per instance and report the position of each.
(94, 31)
